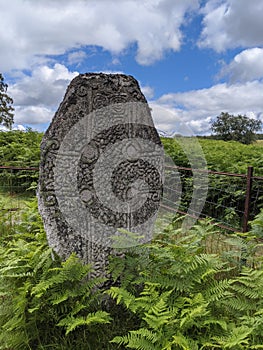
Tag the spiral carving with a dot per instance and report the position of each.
(135, 181)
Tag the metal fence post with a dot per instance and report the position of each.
(248, 198)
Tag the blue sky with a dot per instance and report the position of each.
(193, 59)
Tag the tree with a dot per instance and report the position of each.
(6, 109)
(240, 128)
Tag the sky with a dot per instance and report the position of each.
(193, 58)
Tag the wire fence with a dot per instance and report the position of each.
(19, 183)
(232, 199)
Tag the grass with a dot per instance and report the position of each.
(13, 201)
(11, 208)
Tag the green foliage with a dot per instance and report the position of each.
(6, 109)
(193, 290)
(19, 149)
(45, 303)
(23, 149)
(240, 128)
(226, 195)
(188, 299)
(170, 294)
(256, 226)
(232, 156)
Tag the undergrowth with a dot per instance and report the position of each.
(171, 294)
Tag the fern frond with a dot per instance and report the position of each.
(239, 336)
(159, 313)
(183, 342)
(44, 259)
(80, 291)
(142, 339)
(71, 323)
(122, 296)
(216, 290)
(70, 271)
(192, 312)
(216, 321)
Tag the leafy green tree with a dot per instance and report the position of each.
(6, 109)
(240, 128)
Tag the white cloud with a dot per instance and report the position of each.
(232, 23)
(44, 86)
(19, 127)
(33, 29)
(195, 109)
(76, 57)
(170, 120)
(33, 115)
(148, 91)
(37, 96)
(247, 65)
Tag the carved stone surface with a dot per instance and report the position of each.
(101, 168)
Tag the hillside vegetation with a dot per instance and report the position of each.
(191, 290)
(220, 155)
(199, 289)
(18, 148)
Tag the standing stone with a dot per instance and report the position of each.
(101, 168)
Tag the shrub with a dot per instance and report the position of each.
(171, 294)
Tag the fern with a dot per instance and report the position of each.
(122, 296)
(143, 339)
(71, 323)
(38, 293)
(182, 342)
(257, 225)
(218, 290)
(70, 271)
(189, 299)
(159, 314)
(170, 294)
(238, 337)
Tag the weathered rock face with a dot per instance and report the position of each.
(101, 168)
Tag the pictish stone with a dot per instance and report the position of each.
(101, 169)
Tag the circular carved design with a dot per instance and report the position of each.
(133, 181)
(82, 91)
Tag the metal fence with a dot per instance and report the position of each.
(17, 179)
(20, 183)
(232, 199)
